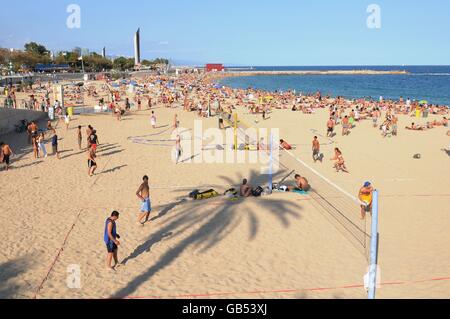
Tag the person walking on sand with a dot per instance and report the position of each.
(153, 120)
(175, 122)
(330, 127)
(143, 193)
(5, 154)
(111, 239)
(41, 144)
(79, 137)
(67, 121)
(89, 130)
(365, 196)
(316, 150)
(92, 163)
(55, 144)
(93, 140)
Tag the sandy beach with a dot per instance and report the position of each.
(278, 246)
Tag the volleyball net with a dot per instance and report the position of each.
(340, 207)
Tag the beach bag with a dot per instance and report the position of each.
(231, 191)
(206, 195)
(194, 193)
(257, 191)
(231, 194)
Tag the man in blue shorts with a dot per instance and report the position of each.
(143, 194)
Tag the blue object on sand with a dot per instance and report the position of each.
(300, 192)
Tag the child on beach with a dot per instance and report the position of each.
(41, 144)
(153, 120)
(79, 137)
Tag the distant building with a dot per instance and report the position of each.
(214, 68)
(137, 47)
(104, 53)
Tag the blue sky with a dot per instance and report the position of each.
(244, 32)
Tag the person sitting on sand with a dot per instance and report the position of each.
(339, 165)
(246, 189)
(414, 127)
(365, 196)
(285, 146)
(301, 184)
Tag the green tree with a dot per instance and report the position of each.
(35, 48)
(96, 63)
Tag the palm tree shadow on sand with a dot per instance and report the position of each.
(222, 222)
(9, 271)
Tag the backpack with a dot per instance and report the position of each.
(256, 192)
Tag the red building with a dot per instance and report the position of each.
(214, 68)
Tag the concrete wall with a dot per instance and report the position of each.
(11, 117)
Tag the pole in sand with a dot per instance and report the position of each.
(374, 248)
(271, 165)
(235, 132)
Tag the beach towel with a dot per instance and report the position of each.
(300, 192)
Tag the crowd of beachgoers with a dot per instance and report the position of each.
(202, 95)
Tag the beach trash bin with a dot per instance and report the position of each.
(70, 111)
(425, 113)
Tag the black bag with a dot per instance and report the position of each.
(256, 192)
(194, 193)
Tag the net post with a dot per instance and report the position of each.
(374, 247)
(235, 132)
(271, 165)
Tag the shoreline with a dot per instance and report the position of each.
(327, 72)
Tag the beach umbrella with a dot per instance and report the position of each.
(423, 102)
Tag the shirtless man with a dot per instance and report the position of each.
(316, 150)
(79, 137)
(92, 164)
(5, 154)
(89, 130)
(301, 183)
(345, 126)
(330, 127)
(143, 193)
(246, 189)
(365, 196)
